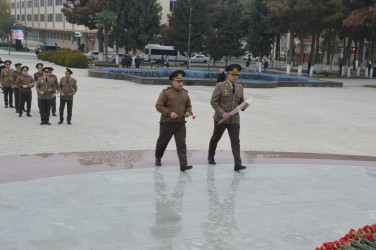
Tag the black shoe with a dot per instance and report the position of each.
(158, 162)
(185, 167)
(29, 115)
(6, 105)
(69, 123)
(41, 123)
(60, 122)
(24, 110)
(20, 115)
(239, 167)
(11, 106)
(17, 111)
(53, 114)
(211, 160)
(47, 123)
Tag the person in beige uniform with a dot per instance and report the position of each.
(25, 82)
(67, 88)
(16, 91)
(38, 74)
(53, 103)
(7, 84)
(174, 105)
(227, 96)
(45, 86)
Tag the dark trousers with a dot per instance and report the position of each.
(53, 105)
(69, 107)
(233, 132)
(25, 97)
(8, 93)
(44, 107)
(166, 131)
(16, 92)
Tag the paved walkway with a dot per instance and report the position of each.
(109, 195)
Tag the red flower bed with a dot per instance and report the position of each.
(363, 238)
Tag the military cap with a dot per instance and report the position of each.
(24, 68)
(1, 61)
(68, 71)
(50, 69)
(234, 69)
(39, 65)
(46, 70)
(18, 65)
(177, 75)
(7, 62)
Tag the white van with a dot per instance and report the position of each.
(154, 52)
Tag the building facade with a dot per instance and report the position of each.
(49, 25)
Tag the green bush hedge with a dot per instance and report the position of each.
(105, 64)
(6, 45)
(65, 57)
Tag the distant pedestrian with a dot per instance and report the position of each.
(266, 65)
(137, 62)
(68, 88)
(124, 61)
(309, 67)
(129, 61)
(24, 82)
(221, 76)
(162, 60)
(247, 65)
(369, 67)
(7, 84)
(16, 90)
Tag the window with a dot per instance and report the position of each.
(58, 2)
(23, 18)
(50, 17)
(49, 2)
(18, 17)
(172, 5)
(68, 38)
(23, 4)
(36, 17)
(12, 6)
(42, 17)
(59, 17)
(41, 3)
(36, 3)
(29, 18)
(29, 4)
(18, 5)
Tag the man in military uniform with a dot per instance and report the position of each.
(227, 96)
(174, 105)
(7, 84)
(25, 82)
(15, 75)
(67, 88)
(45, 86)
(2, 66)
(38, 74)
(53, 104)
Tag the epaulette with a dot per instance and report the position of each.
(166, 88)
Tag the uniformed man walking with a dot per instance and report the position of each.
(67, 88)
(16, 92)
(45, 86)
(54, 92)
(25, 82)
(7, 84)
(227, 96)
(174, 105)
(38, 74)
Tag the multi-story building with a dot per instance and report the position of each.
(49, 25)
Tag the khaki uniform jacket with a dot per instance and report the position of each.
(223, 101)
(44, 85)
(170, 100)
(56, 84)
(24, 80)
(37, 75)
(15, 75)
(6, 78)
(67, 87)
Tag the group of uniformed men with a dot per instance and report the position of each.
(174, 105)
(19, 83)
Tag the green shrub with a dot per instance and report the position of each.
(6, 45)
(46, 56)
(326, 73)
(106, 64)
(77, 60)
(61, 55)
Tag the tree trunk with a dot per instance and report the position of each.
(329, 41)
(291, 47)
(301, 53)
(317, 52)
(348, 51)
(369, 50)
(313, 48)
(277, 47)
(333, 44)
(361, 51)
(325, 45)
(117, 54)
(106, 45)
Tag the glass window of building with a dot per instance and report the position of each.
(41, 3)
(12, 6)
(36, 17)
(29, 4)
(23, 18)
(36, 3)
(42, 17)
(29, 17)
(22, 4)
(50, 17)
(18, 17)
(59, 17)
(18, 5)
(49, 2)
(58, 2)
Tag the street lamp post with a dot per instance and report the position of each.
(189, 34)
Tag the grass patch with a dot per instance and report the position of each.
(370, 86)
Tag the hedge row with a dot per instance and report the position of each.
(6, 45)
(65, 57)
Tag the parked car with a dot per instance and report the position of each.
(93, 55)
(199, 58)
(113, 58)
(46, 47)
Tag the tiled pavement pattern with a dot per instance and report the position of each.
(119, 115)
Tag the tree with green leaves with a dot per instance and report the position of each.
(6, 20)
(106, 20)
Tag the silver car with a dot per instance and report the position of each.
(199, 58)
